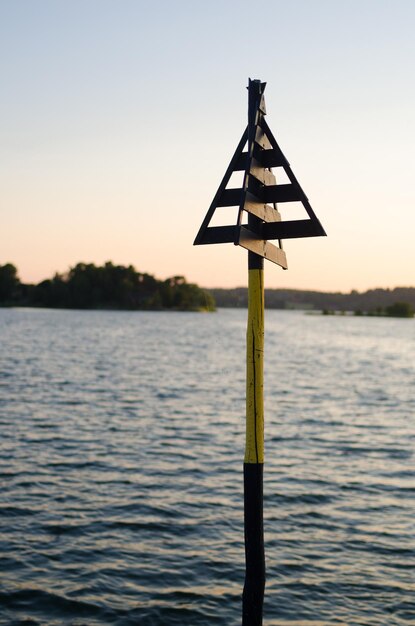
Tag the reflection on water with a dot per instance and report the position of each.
(121, 468)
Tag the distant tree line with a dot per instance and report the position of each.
(398, 309)
(87, 286)
(371, 301)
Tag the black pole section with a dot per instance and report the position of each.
(253, 594)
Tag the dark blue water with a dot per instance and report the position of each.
(121, 451)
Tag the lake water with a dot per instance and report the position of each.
(121, 451)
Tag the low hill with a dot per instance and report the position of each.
(370, 300)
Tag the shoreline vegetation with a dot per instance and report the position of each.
(398, 309)
(398, 302)
(87, 286)
(117, 287)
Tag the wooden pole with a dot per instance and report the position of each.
(253, 593)
(259, 190)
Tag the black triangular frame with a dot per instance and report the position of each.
(264, 150)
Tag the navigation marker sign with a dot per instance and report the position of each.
(257, 203)
(256, 154)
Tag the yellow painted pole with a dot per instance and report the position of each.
(254, 447)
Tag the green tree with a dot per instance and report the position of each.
(52, 293)
(87, 286)
(9, 284)
(400, 309)
(189, 297)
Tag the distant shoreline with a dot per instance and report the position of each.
(371, 302)
(106, 287)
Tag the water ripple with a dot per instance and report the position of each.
(121, 458)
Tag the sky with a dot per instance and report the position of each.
(118, 119)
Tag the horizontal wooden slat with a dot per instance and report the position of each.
(265, 158)
(293, 229)
(271, 158)
(230, 197)
(241, 162)
(282, 193)
(249, 241)
(256, 188)
(261, 139)
(218, 234)
(261, 210)
(275, 193)
(264, 176)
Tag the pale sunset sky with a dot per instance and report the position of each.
(118, 119)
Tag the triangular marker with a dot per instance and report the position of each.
(259, 193)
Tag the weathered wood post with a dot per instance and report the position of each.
(258, 197)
